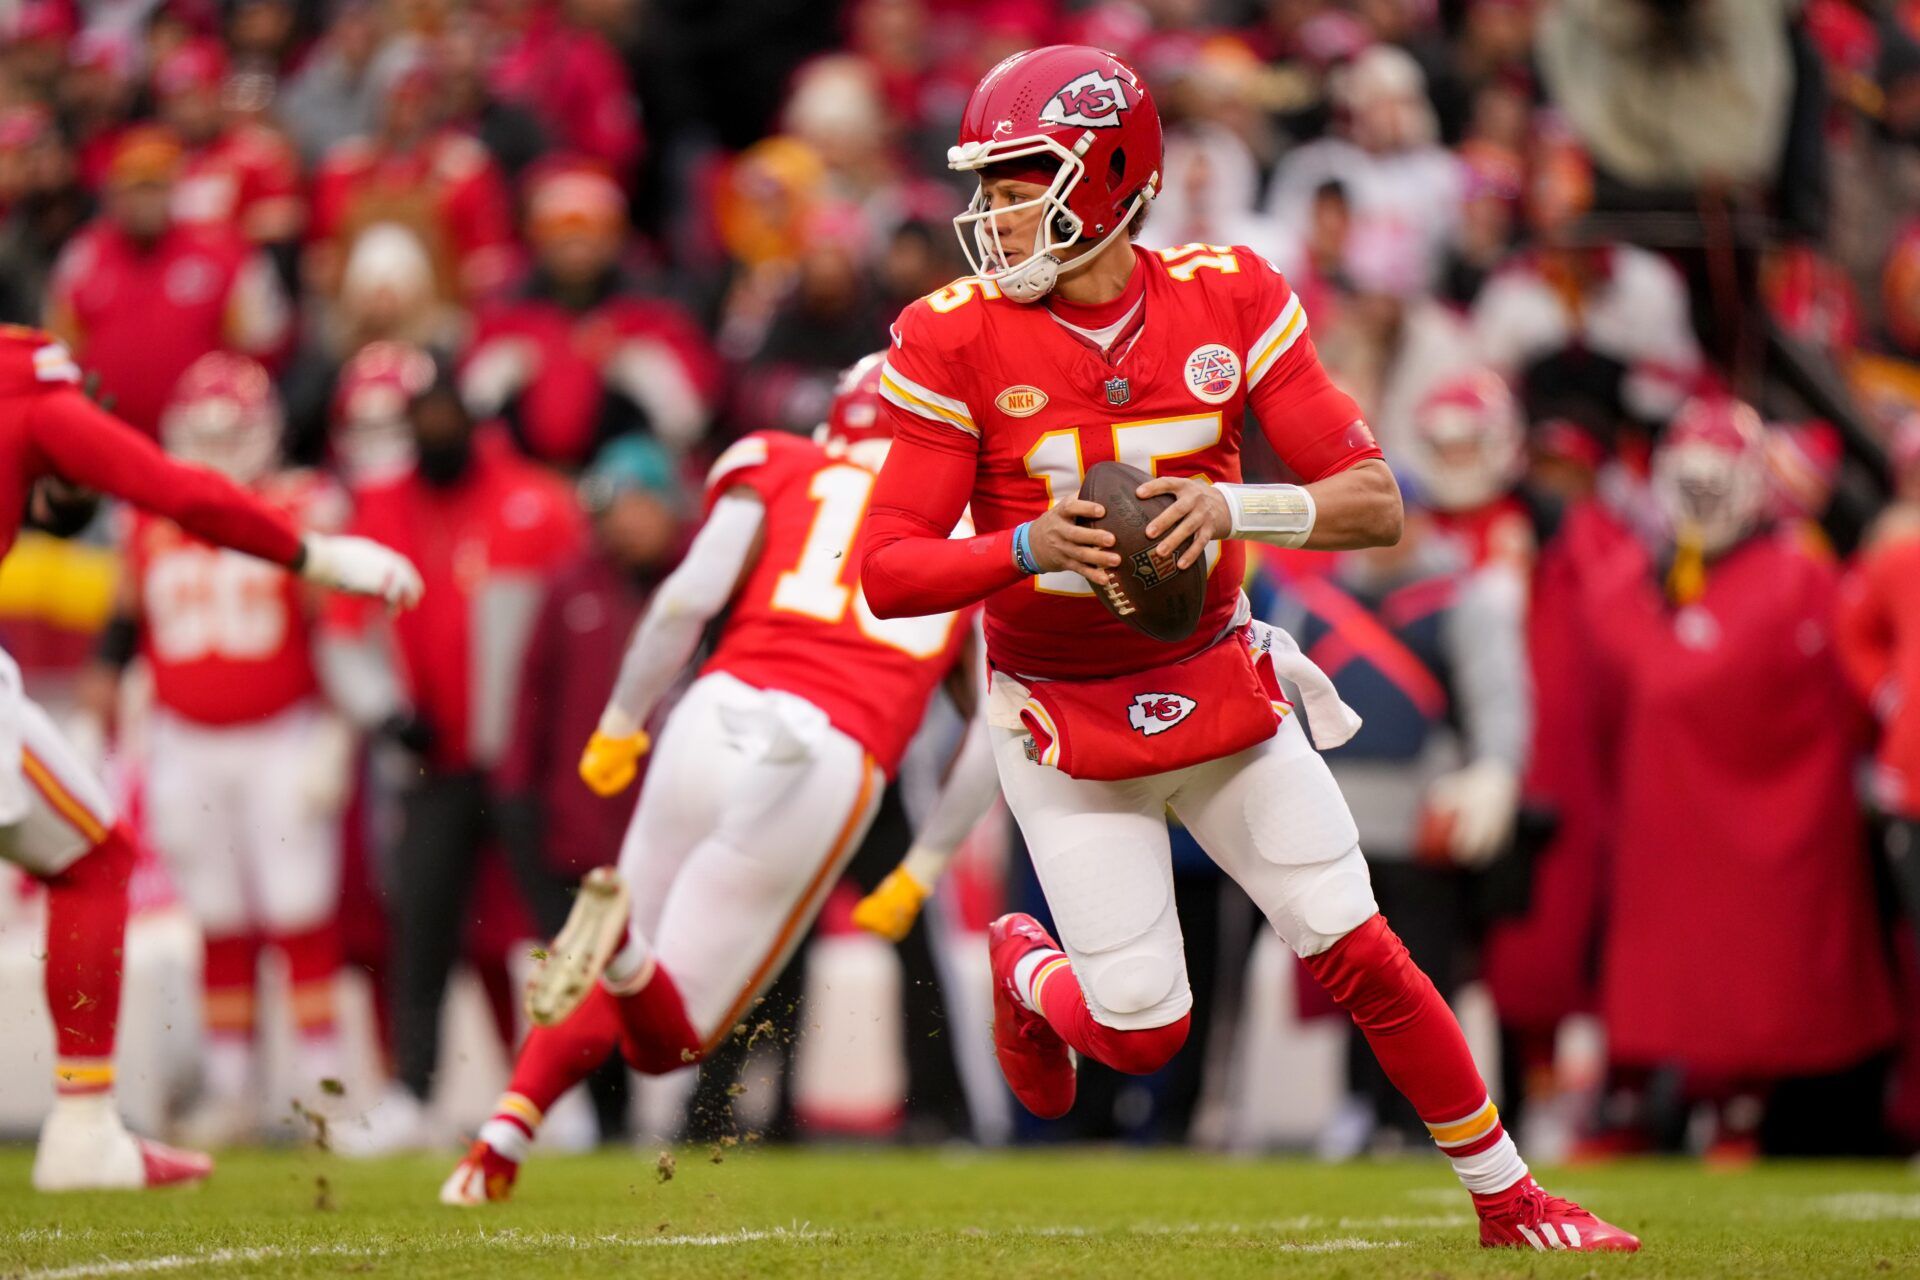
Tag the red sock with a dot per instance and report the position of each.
(1421, 1048)
(313, 961)
(86, 941)
(228, 977)
(1137, 1053)
(551, 1061)
(658, 1037)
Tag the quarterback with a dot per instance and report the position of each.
(56, 822)
(1071, 346)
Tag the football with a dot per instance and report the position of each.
(1159, 601)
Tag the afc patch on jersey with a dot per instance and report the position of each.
(1153, 713)
(1213, 373)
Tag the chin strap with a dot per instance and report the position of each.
(1035, 278)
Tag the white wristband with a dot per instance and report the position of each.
(1279, 514)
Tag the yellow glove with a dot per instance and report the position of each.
(890, 909)
(608, 764)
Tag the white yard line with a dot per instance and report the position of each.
(514, 1241)
(1868, 1206)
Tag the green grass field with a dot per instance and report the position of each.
(853, 1212)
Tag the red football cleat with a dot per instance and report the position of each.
(1033, 1057)
(166, 1166)
(1525, 1216)
(483, 1176)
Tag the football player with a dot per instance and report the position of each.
(1070, 346)
(768, 773)
(246, 768)
(56, 822)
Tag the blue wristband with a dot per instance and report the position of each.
(1023, 550)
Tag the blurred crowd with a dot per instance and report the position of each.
(1629, 289)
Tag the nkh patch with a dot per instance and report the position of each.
(1213, 373)
(1153, 713)
(1021, 401)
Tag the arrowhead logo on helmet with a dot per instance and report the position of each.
(1093, 100)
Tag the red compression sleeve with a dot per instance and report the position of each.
(1313, 425)
(909, 566)
(90, 447)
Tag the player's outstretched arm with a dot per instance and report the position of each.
(691, 597)
(89, 446)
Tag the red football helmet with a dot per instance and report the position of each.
(224, 415)
(1710, 471)
(1468, 444)
(855, 428)
(1083, 123)
(368, 434)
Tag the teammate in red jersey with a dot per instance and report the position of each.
(56, 822)
(245, 766)
(769, 771)
(1069, 347)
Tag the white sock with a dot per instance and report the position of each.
(1026, 968)
(631, 966)
(227, 1066)
(511, 1130)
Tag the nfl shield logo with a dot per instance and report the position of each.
(1118, 392)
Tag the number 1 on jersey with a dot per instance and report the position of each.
(815, 586)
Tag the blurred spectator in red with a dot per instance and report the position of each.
(826, 319)
(139, 297)
(1615, 299)
(578, 355)
(509, 129)
(1879, 634)
(389, 292)
(334, 96)
(95, 101)
(1900, 292)
(417, 172)
(234, 174)
(572, 78)
(1741, 946)
(42, 204)
(34, 39)
(556, 829)
(1810, 297)
(369, 443)
(487, 530)
(1402, 185)
(1489, 220)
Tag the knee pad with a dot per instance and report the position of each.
(1329, 900)
(1114, 916)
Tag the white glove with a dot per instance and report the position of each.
(327, 772)
(1480, 803)
(361, 567)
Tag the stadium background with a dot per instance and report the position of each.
(754, 190)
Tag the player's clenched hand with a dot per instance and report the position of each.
(1199, 515)
(608, 764)
(361, 567)
(1059, 541)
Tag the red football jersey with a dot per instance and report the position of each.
(249, 179)
(799, 622)
(227, 636)
(1218, 333)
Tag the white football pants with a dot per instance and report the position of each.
(52, 808)
(228, 807)
(1271, 816)
(752, 805)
